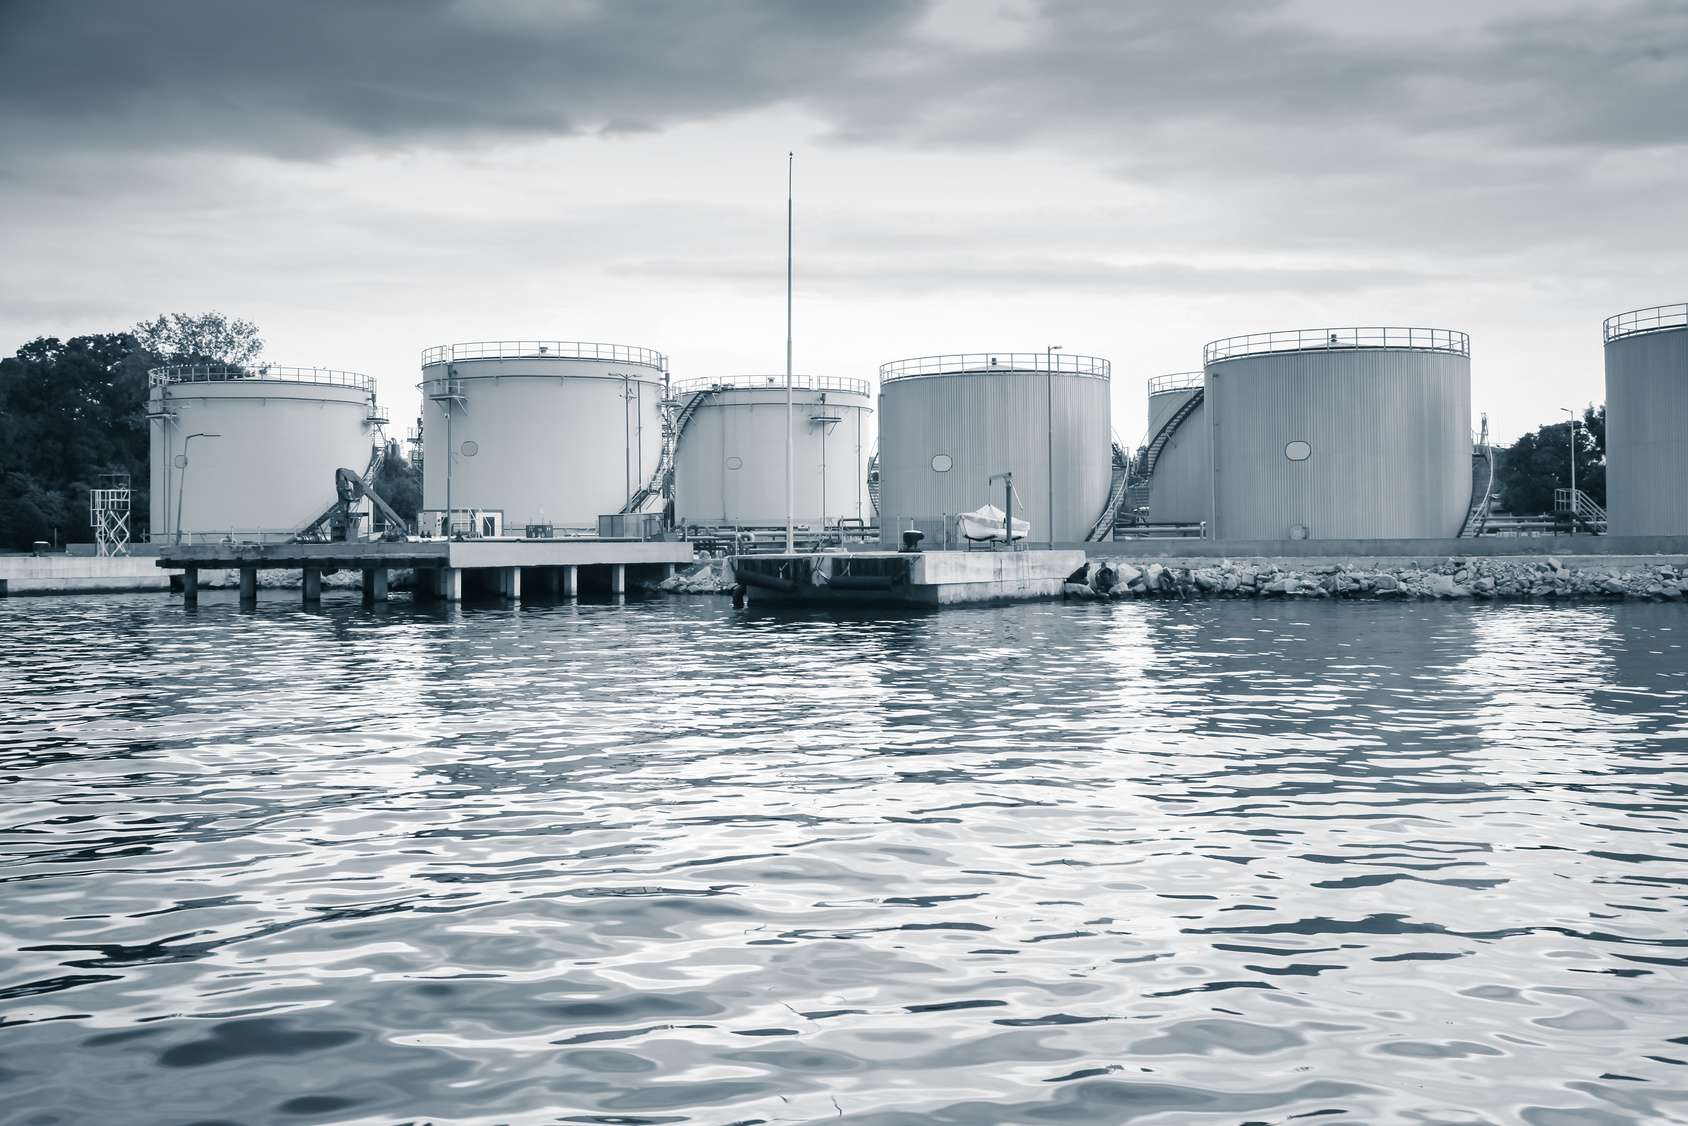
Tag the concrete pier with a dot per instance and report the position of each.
(440, 565)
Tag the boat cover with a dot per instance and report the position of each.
(986, 524)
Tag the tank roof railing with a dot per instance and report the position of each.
(1338, 340)
(1637, 321)
(775, 383)
(986, 363)
(1176, 381)
(544, 349)
(277, 373)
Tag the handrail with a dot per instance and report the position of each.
(1177, 381)
(1638, 321)
(272, 373)
(1337, 340)
(775, 383)
(544, 349)
(992, 363)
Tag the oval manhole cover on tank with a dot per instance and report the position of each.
(942, 463)
(735, 463)
(1298, 451)
(471, 448)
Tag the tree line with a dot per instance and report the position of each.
(74, 410)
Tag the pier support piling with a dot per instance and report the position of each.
(571, 581)
(374, 585)
(249, 586)
(451, 584)
(190, 586)
(510, 582)
(618, 578)
(311, 588)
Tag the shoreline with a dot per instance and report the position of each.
(1386, 578)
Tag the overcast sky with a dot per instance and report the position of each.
(1125, 178)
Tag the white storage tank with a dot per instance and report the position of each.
(1647, 422)
(1340, 433)
(947, 424)
(729, 462)
(519, 433)
(1175, 450)
(249, 453)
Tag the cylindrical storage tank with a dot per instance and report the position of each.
(1340, 433)
(1647, 422)
(1181, 483)
(948, 424)
(529, 432)
(729, 461)
(249, 453)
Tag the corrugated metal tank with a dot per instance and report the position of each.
(947, 424)
(1647, 422)
(1346, 433)
(729, 462)
(1181, 487)
(261, 447)
(543, 432)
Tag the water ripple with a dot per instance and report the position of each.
(665, 862)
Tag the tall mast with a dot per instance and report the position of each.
(790, 527)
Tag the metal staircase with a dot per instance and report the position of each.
(873, 482)
(1118, 486)
(1581, 508)
(676, 418)
(1482, 491)
(1142, 468)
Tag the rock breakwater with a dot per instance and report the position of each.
(1497, 577)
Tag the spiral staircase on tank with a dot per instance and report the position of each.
(1119, 486)
(1483, 466)
(677, 415)
(1140, 471)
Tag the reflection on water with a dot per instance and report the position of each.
(664, 862)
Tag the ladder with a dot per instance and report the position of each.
(1139, 488)
(674, 425)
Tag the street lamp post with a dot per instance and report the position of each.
(182, 480)
(1049, 415)
(1573, 444)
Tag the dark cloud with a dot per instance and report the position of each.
(308, 78)
(1148, 85)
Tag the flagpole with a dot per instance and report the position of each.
(790, 525)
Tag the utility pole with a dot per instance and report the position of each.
(790, 467)
(1049, 414)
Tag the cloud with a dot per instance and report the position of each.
(312, 78)
(837, 275)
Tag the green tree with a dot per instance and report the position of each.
(203, 338)
(72, 410)
(399, 482)
(1538, 463)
